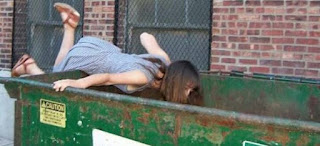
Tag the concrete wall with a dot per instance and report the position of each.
(6, 111)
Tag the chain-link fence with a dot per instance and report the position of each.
(182, 27)
(44, 30)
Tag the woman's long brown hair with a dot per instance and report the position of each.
(178, 76)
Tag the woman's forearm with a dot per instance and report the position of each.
(95, 80)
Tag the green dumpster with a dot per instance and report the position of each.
(239, 110)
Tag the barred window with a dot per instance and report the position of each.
(43, 31)
(182, 27)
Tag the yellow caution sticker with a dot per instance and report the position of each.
(53, 113)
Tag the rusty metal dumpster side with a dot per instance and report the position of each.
(148, 121)
(293, 100)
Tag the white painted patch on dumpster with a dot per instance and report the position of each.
(102, 138)
(250, 143)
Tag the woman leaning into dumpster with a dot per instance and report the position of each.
(106, 65)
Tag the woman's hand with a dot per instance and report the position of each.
(62, 84)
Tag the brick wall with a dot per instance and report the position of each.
(264, 36)
(99, 19)
(6, 16)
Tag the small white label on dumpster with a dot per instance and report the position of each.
(52, 113)
(101, 138)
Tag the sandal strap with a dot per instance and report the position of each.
(70, 16)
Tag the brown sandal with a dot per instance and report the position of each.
(72, 13)
(21, 61)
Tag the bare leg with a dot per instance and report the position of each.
(67, 43)
(70, 18)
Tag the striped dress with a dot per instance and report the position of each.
(93, 55)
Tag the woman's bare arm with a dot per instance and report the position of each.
(135, 77)
(150, 43)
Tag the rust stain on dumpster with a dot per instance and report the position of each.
(314, 107)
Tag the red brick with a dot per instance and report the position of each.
(307, 41)
(259, 69)
(260, 40)
(314, 33)
(309, 57)
(248, 47)
(283, 40)
(260, 10)
(260, 25)
(232, 3)
(291, 10)
(275, 10)
(270, 62)
(215, 59)
(302, 26)
(296, 18)
(273, 3)
(249, 32)
(231, 24)
(228, 60)
(314, 18)
(230, 17)
(240, 10)
(230, 31)
(295, 64)
(217, 67)
(313, 65)
(215, 44)
(314, 49)
(232, 10)
(267, 47)
(282, 25)
(300, 11)
(272, 17)
(295, 48)
(237, 39)
(253, 3)
(221, 52)
(215, 17)
(314, 26)
(288, 71)
(228, 45)
(111, 3)
(249, 10)
(315, 3)
(296, 3)
(220, 10)
(248, 61)
(219, 38)
(237, 68)
(96, 3)
(313, 10)
(306, 73)
(302, 33)
(272, 32)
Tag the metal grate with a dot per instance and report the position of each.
(182, 27)
(45, 30)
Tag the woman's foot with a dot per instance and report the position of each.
(23, 66)
(69, 15)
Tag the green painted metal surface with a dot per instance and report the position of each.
(238, 111)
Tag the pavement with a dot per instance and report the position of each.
(6, 114)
